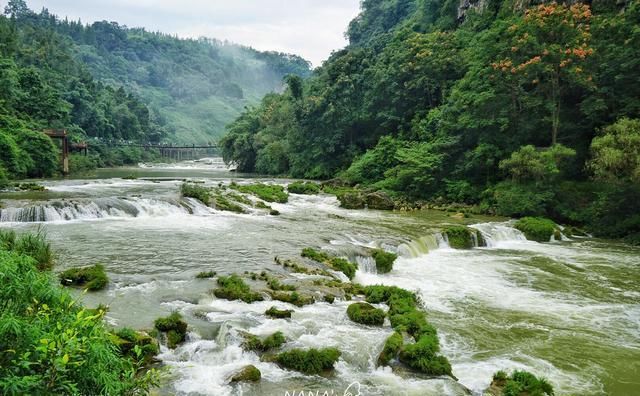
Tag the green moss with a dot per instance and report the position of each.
(91, 278)
(247, 374)
(384, 260)
(191, 190)
(275, 284)
(536, 228)
(329, 298)
(174, 327)
(422, 356)
(233, 288)
(222, 202)
(293, 298)
(206, 275)
(312, 361)
(392, 346)
(127, 339)
(459, 237)
(351, 200)
(521, 383)
(30, 187)
(307, 188)
(266, 192)
(254, 343)
(273, 312)
(367, 314)
(339, 264)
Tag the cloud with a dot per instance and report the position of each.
(310, 28)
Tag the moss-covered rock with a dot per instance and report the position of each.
(201, 193)
(339, 264)
(329, 298)
(520, 383)
(536, 229)
(247, 374)
(266, 192)
(384, 260)
(127, 339)
(351, 200)
(392, 347)
(174, 327)
(223, 202)
(91, 278)
(423, 356)
(307, 188)
(379, 200)
(460, 237)
(254, 343)
(294, 298)
(233, 288)
(206, 275)
(367, 314)
(276, 313)
(312, 361)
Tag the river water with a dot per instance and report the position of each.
(566, 310)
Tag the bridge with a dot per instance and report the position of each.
(177, 152)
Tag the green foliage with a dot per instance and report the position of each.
(254, 343)
(367, 314)
(339, 264)
(391, 348)
(536, 228)
(384, 260)
(275, 284)
(514, 199)
(521, 383)
(308, 188)
(206, 275)
(196, 191)
(51, 344)
(36, 247)
(266, 192)
(294, 298)
(90, 278)
(233, 288)
(312, 361)
(616, 152)
(273, 312)
(174, 327)
(459, 237)
(531, 165)
(423, 357)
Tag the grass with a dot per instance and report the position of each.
(536, 229)
(254, 343)
(91, 278)
(521, 383)
(233, 288)
(367, 314)
(384, 260)
(312, 361)
(275, 285)
(306, 188)
(206, 275)
(222, 202)
(174, 327)
(266, 192)
(293, 298)
(191, 190)
(339, 264)
(32, 245)
(459, 237)
(276, 313)
(392, 346)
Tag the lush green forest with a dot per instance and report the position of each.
(517, 108)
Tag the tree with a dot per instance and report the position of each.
(532, 165)
(616, 152)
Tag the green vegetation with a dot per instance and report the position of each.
(536, 228)
(338, 264)
(392, 347)
(312, 361)
(266, 192)
(514, 107)
(51, 344)
(206, 275)
(367, 314)
(308, 188)
(520, 383)
(293, 298)
(91, 278)
(174, 327)
(254, 343)
(127, 340)
(233, 288)
(32, 245)
(275, 284)
(406, 317)
(247, 374)
(273, 312)
(384, 260)
(459, 237)
(192, 190)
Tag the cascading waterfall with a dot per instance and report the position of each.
(494, 233)
(366, 264)
(423, 245)
(100, 208)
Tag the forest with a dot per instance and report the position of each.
(514, 108)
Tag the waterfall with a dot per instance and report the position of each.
(64, 210)
(423, 245)
(366, 264)
(494, 233)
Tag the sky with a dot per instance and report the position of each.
(309, 28)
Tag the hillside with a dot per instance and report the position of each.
(516, 107)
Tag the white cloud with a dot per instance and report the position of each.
(310, 28)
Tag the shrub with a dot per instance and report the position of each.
(512, 199)
(233, 288)
(91, 278)
(384, 260)
(127, 340)
(266, 192)
(254, 343)
(191, 190)
(367, 314)
(174, 326)
(536, 228)
(273, 312)
(459, 237)
(206, 275)
(392, 346)
(299, 187)
(313, 361)
(521, 383)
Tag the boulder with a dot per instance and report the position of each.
(249, 373)
(379, 200)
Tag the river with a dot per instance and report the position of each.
(566, 310)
